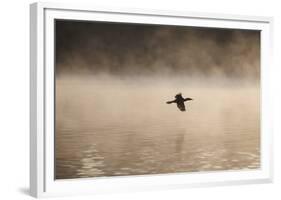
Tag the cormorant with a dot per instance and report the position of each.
(179, 100)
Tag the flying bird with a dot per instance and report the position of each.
(179, 100)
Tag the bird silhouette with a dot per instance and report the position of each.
(179, 100)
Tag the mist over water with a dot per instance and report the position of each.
(107, 126)
(112, 84)
(124, 49)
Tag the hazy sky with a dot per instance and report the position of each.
(123, 49)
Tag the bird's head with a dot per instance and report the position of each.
(178, 95)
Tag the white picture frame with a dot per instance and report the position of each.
(42, 181)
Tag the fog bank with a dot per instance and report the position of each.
(122, 49)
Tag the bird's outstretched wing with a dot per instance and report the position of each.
(188, 99)
(181, 106)
(169, 102)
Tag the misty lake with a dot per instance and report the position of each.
(108, 127)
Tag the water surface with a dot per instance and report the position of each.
(124, 127)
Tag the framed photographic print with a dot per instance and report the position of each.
(127, 99)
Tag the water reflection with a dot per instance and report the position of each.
(92, 164)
